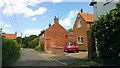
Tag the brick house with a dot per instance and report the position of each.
(41, 36)
(81, 26)
(10, 36)
(70, 36)
(55, 36)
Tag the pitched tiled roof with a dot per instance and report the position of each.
(10, 36)
(87, 17)
(42, 32)
(56, 26)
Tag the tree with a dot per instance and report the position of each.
(70, 30)
(27, 40)
(34, 43)
(107, 32)
(19, 40)
(31, 37)
(40, 47)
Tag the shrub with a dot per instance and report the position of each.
(33, 43)
(107, 32)
(10, 51)
(40, 47)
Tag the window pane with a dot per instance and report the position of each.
(81, 39)
(78, 40)
(79, 24)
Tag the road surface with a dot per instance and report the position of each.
(29, 57)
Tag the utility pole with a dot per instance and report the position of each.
(0, 31)
(21, 39)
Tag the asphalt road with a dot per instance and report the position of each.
(29, 57)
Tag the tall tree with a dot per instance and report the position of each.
(70, 30)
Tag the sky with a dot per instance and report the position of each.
(32, 16)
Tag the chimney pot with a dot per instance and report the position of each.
(49, 25)
(81, 10)
(56, 20)
(15, 32)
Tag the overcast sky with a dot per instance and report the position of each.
(32, 16)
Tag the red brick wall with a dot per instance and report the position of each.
(82, 31)
(70, 38)
(57, 50)
(56, 35)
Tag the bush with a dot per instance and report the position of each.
(10, 51)
(83, 49)
(40, 47)
(107, 32)
(84, 62)
(33, 43)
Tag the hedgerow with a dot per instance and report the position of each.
(10, 51)
(107, 32)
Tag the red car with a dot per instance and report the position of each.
(71, 47)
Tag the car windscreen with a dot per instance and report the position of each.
(71, 43)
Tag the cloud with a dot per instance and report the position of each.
(68, 19)
(22, 9)
(29, 32)
(34, 18)
(5, 27)
(56, 1)
(11, 7)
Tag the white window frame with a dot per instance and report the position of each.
(79, 24)
(81, 40)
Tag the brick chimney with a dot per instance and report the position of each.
(15, 32)
(56, 20)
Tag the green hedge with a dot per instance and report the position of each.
(107, 32)
(33, 43)
(10, 51)
(40, 47)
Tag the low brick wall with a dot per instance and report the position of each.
(57, 50)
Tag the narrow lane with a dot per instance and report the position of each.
(29, 57)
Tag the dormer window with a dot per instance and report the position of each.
(79, 24)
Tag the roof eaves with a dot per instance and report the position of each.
(93, 2)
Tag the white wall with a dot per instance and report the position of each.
(100, 8)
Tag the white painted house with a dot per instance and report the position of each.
(100, 7)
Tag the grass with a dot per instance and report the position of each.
(84, 62)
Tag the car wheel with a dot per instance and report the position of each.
(66, 51)
(77, 51)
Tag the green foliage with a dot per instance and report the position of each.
(83, 49)
(107, 32)
(33, 43)
(70, 30)
(31, 37)
(40, 47)
(10, 51)
(19, 40)
(85, 62)
(27, 41)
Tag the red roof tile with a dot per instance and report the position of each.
(87, 17)
(10, 36)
